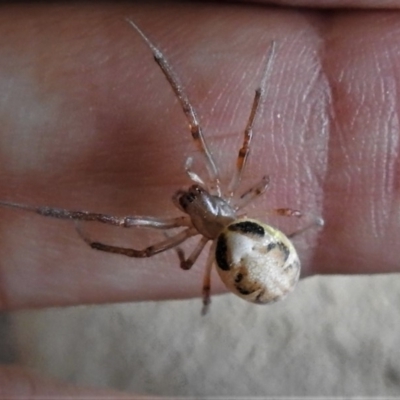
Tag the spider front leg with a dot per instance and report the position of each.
(149, 251)
(314, 221)
(124, 222)
(189, 111)
(248, 133)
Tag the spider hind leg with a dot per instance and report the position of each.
(149, 251)
(187, 263)
(312, 220)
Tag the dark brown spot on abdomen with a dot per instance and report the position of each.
(221, 253)
(247, 227)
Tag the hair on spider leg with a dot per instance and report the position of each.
(255, 261)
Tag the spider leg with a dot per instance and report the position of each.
(187, 263)
(314, 221)
(207, 279)
(149, 251)
(193, 176)
(252, 193)
(248, 133)
(187, 108)
(125, 222)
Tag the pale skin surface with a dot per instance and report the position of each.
(88, 122)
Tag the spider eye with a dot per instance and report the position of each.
(186, 199)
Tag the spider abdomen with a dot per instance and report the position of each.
(256, 262)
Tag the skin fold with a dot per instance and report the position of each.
(89, 122)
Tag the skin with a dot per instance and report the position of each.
(89, 122)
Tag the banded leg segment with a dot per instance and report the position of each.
(190, 113)
(149, 251)
(125, 222)
(252, 193)
(248, 133)
(207, 279)
(313, 221)
(187, 263)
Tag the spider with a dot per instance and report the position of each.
(255, 261)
